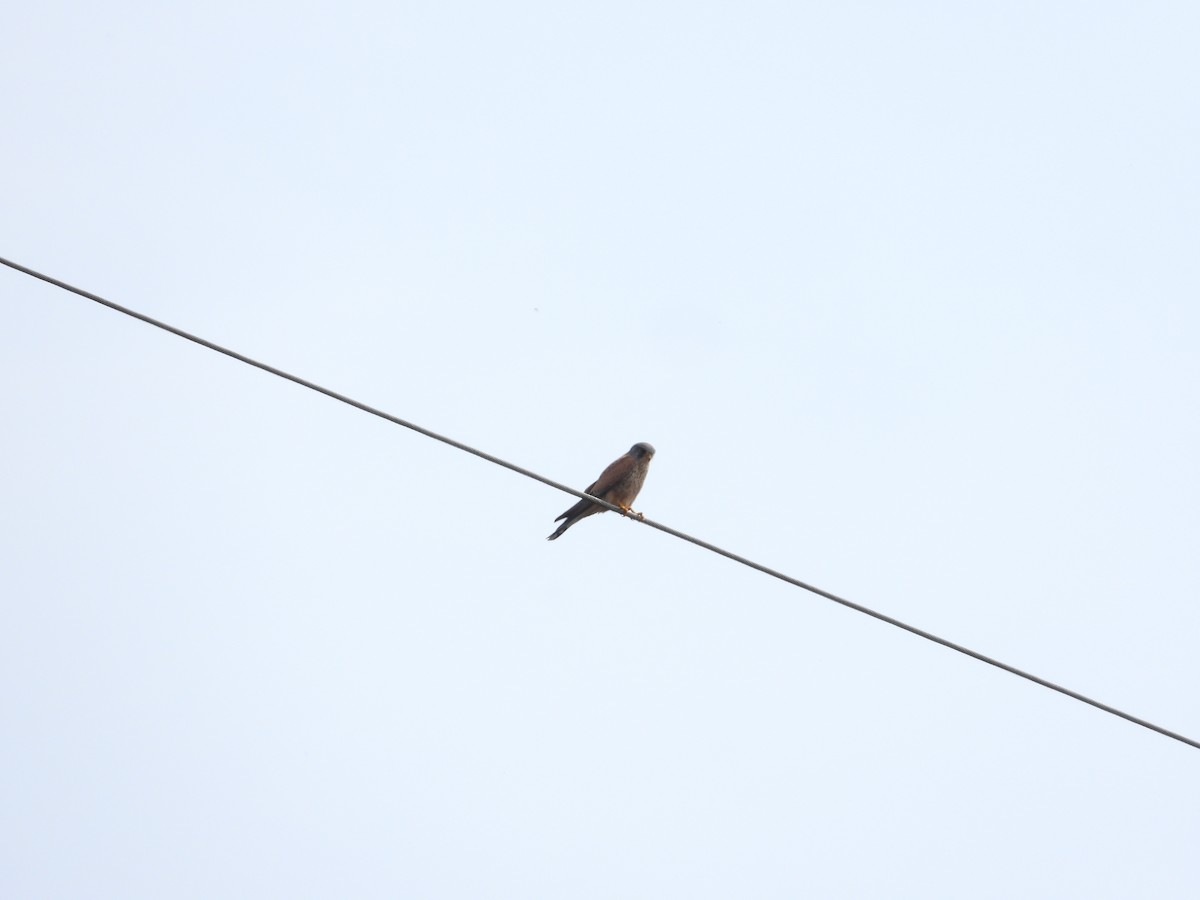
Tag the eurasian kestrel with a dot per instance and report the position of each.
(618, 484)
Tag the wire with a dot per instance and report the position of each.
(912, 629)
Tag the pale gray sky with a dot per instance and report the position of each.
(906, 296)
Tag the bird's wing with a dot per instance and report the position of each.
(608, 478)
(612, 476)
(580, 507)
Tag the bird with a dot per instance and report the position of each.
(618, 484)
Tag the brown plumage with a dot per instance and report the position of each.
(618, 484)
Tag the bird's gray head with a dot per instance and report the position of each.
(641, 450)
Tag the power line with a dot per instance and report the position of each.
(966, 651)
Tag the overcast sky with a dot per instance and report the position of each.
(906, 296)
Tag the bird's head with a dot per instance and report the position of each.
(641, 451)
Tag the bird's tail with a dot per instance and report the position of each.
(561, 528)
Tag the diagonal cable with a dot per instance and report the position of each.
(912, 629)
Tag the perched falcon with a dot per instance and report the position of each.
(618, 484)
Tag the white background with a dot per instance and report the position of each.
(907, 297)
